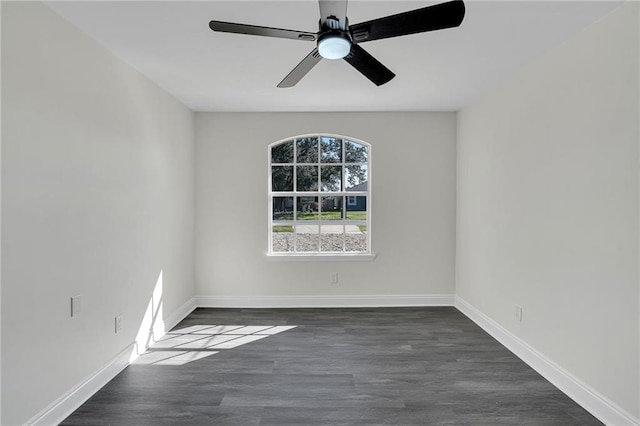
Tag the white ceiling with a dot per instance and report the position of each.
(171, 43)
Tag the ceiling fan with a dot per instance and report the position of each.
(336, 39)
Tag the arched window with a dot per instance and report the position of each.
(319, 196)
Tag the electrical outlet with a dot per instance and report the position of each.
(519, 313)
(333, 278)
(118, 324)
(76, 305)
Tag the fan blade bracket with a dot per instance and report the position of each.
(360, 34)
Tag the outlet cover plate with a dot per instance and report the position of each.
(519, 313)
(76, 305)
(118, 324)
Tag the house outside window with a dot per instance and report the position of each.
(319, 196)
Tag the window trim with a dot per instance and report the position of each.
(318, 255)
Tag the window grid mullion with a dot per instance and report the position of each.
(295, 189)
(318, 156)
(343, 187)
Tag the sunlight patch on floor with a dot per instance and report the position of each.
(192, 343)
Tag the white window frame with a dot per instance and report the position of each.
(320, 255)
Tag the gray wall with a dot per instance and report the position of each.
(548, 206)
(97, 200)
(413, 205)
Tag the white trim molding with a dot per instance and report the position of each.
(180, 314)
(598, 405)
(319, 257)
(592, 401)
(61, 408)
(324, 301)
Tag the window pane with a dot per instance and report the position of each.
(307, 150)
(282, 178)
(282, 153)
(355, 152)
(357, 208)
(356, 178)
(331, 178)
(331, 238)
(307, 178)
(331, 208)
(331, 150)
(282, 208)
(307, 240)
(307, 209)
(356, 233)
(282, 239)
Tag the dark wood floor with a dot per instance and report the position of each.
(391, 366)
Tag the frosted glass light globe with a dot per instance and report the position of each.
(334, 47)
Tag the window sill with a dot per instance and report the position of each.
(358, 257)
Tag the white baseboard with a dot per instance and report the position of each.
(60, 409)
(598, 405)
(180, 314)
(592, 401)
(323, 301)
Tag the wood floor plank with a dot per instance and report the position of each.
(365, 366)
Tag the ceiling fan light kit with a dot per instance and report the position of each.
(336, 39)
(334, 46)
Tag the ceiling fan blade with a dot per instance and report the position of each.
(301, 69)
(230, 27)
(369, 66)
(430, 18)
(336, 8)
